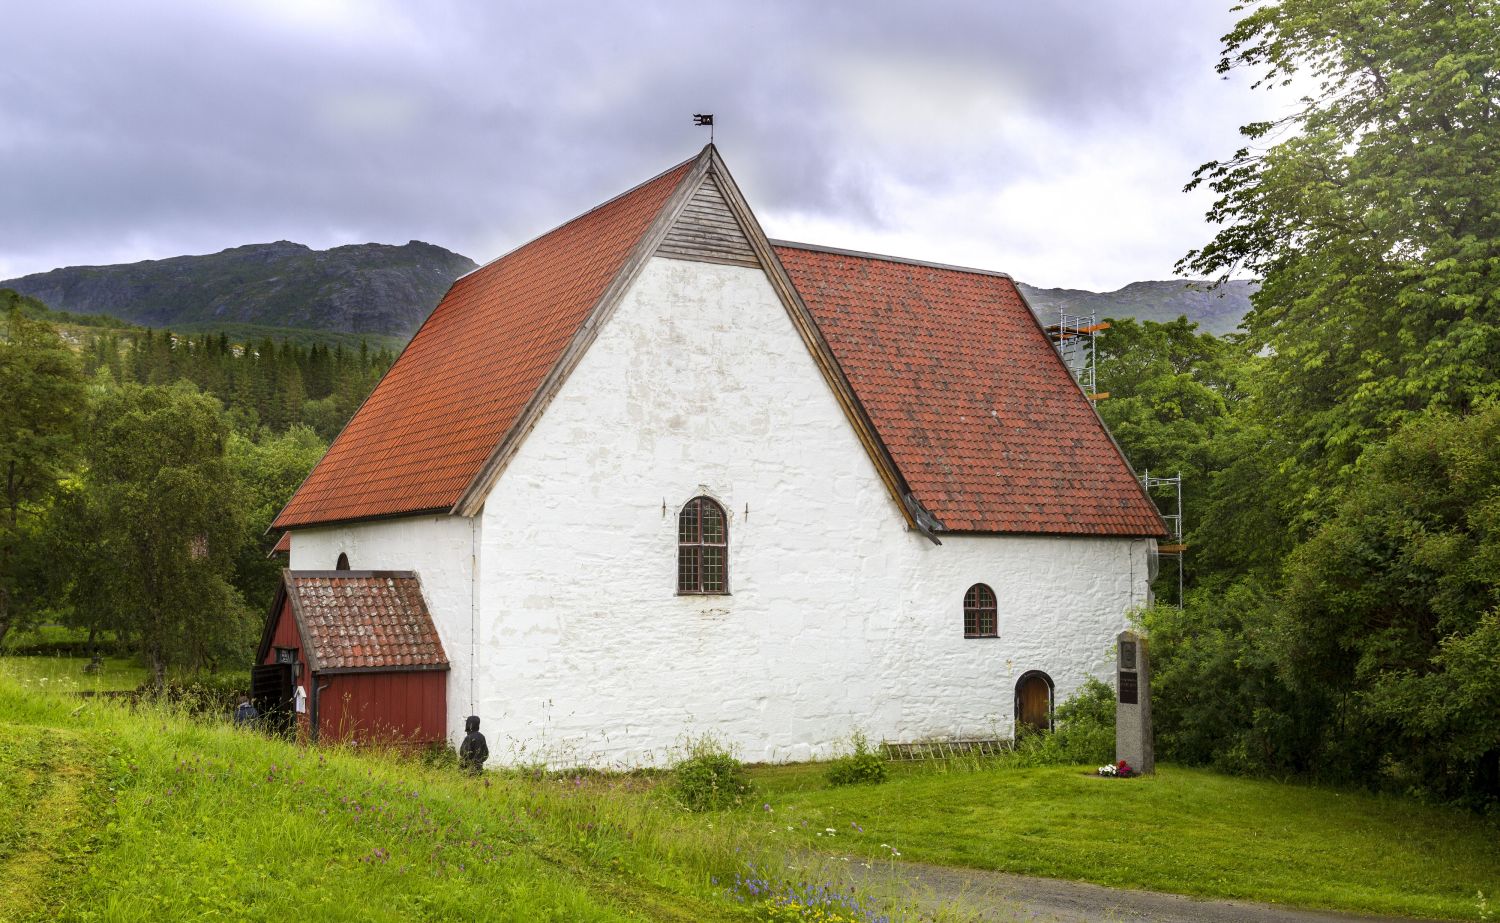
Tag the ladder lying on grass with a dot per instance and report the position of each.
(944, 749)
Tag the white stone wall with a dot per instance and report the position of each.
(439, 549)
(839, 618)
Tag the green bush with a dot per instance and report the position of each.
(864, 766)
(709, 777)
(1085, 732)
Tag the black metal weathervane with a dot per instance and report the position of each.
(705, 118)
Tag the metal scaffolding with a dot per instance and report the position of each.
(1076, 338)
(1166, 493)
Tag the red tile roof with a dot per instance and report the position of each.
(283, 545)
(352, 620)
(433, 420)
(966, 391)
(979, 415)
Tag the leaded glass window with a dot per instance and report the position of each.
(980, 612)
(702, 548)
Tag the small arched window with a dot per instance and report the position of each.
(343, 563)
(702, 548)
(980, 613)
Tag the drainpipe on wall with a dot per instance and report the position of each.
(312, 709)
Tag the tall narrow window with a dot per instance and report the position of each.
(702, 548)
(979, 612)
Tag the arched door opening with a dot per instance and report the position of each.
(1034, 701)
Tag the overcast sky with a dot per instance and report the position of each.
(1049, 140)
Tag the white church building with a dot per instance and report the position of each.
(658, 475)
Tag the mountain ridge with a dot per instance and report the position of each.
(353, 288)
(389, 289)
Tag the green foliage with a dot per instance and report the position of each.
(34, 309)
(153, 527)
(271, 384)
(862, 766)
(1391, 608)
(1375, 224)
(40, 412)
(709, 777)
(268, 470)
(1084, 733)
(1339, 619)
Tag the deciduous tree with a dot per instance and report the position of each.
(41, 403)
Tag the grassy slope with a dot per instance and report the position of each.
(1185, 831)
(177, 820)
(107, 815)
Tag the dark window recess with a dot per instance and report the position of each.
(343, 562)
(980, 619)
(702, 548)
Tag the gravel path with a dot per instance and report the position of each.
(998, 896)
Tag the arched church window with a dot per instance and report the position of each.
(980, 613)
(702, 548)
(343, 563)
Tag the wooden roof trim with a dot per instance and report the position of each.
(309, 651)
(268, 631)
(916, 515)
(471, 501)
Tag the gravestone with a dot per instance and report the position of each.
(1133, 703)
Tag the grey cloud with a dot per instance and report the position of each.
(154, 129)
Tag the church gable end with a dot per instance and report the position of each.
(708, 232)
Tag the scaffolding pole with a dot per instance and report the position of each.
(1167, 492)
(1076, 339)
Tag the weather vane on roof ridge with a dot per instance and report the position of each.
(705, 118)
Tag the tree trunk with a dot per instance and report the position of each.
(158, 667)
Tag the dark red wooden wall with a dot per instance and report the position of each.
(407, 707)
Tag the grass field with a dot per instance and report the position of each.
(108, 814)
(1183, 830)
(66, 674)
(113, 815)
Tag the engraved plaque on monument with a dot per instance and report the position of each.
(1133, 704)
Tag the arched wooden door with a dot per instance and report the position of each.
(1034, 701)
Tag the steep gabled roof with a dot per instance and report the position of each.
(358, 621)
(985, 422)
(950, 384)
(463, 380)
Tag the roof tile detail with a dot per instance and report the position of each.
(982, 418)
(436, 416)
(365, 621)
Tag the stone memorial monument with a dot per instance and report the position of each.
(1133, 704)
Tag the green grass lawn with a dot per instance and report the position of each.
(66, 674)
(1184, 830)
(114, 813)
